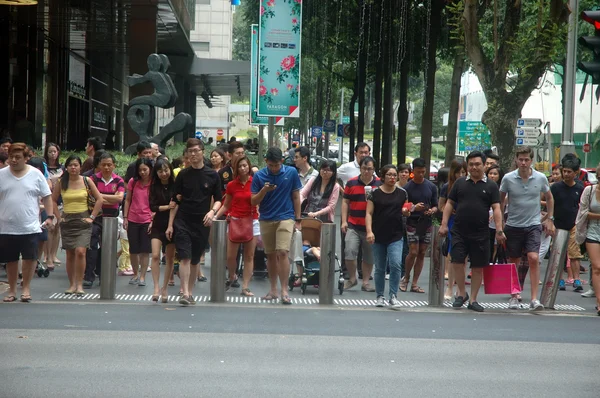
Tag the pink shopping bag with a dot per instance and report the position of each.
(501, 279)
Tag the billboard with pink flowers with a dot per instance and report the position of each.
(280, 31)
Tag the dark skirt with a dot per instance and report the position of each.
(74, 231)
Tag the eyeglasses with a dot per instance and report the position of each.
(327, 170)
(194, 151)
(392, 175)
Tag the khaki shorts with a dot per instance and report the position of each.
(574, 251)
(277, 235)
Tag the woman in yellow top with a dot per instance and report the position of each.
(76, 225)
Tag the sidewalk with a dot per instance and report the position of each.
(52, 288)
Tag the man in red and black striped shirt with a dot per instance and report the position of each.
(354, 208)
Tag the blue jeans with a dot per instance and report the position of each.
(387, 254)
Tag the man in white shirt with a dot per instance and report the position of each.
(302, 162)
(21, 186)
(352, 169)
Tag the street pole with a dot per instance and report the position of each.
(261, 145)
(567, 145)
(549, 138)
(271, 132)
(341, 146)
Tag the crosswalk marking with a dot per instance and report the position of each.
(295, 300)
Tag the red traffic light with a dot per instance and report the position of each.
(592, 17)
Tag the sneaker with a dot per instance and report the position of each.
(88, 284)
(475, 307)
(149, 268)
(513, 304)
(141, 283)
(459, 301)
(380, 302)
(562, 285)
(395, 303)
(134, 281)
(589, 294)
(387, 277)
(577, 286)
(535, 305)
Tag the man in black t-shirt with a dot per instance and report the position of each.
(472, 197)
(567, 194)
(189, 222)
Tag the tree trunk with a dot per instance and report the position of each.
(378, 105)
(459, 66)
(501, 119)
(362, 83)
(388, 99)
(403, 98)
(352, 122)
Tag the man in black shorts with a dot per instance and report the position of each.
(189, 222)
(472, 197)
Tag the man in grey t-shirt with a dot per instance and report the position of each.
(524, 225)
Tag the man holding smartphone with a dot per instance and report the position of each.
(276, 190)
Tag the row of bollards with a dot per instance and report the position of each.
(327, 278)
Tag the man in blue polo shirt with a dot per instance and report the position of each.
(272, 189)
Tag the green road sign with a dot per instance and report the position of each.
(473, 135)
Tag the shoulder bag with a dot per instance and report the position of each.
(91, 200)
(581, 222)
(240, 229)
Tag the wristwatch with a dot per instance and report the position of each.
(92, 216)
(51, 216)
(551, 218)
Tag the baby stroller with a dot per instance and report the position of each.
(311, 232)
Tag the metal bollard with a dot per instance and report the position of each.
(436, 270)
(108, 278)
(555, 268)
(327, 272)
(218, 261)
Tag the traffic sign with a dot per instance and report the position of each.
(199, 135)
(527, 132)
(587, 148)
(340, 130)
(529, 123)
(473, 135)
(346, 120)
(317, 131)
(347, 130)
(527, 141)
(329, 126)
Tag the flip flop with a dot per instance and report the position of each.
(171, 283)
(25, 298)
(416, 289)
(286, 300)
(9, 299)
(246, 292)
(269, 297)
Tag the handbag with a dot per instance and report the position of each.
(91, 200)
(501, 278)
(581, 222)
(240, 229)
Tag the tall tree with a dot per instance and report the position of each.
(524, 48)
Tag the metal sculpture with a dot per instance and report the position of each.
(141, 114)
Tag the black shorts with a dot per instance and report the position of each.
(522, 240)
(191, 238)
(476, 247)
(159, 232)
(139, 238)
(13, 247)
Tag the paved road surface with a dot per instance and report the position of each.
(139, 350)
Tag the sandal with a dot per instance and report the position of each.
(171, 283)
(9, 299)
(269, 297)
(155, 297)
(286, 300)
(403, 285)
(25, 298)
(184, 300)
(246, 292)
(416, 289)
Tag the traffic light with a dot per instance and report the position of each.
(593, 43)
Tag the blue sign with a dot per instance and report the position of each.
(329, 126)
(199, 135)
(340, 130)
(317, 131)
(296, 137)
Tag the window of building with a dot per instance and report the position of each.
(201, 45)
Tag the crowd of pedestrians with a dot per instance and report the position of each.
(386, 221)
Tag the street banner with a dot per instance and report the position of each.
(255, 120)
(279, 43)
